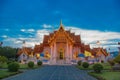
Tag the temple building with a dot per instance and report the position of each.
(61, 47)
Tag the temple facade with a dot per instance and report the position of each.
(62, 47)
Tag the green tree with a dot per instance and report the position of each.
(117, 59)
(112, 63)
(3, 59)
(8, 52)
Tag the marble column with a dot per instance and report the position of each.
(67, 55)
(70, 52)
(51, 55)
(54, 55)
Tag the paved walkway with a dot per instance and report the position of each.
(53, 73)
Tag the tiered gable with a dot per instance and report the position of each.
(60, 35)
(38, 48)
(99, 51)
(25, 50)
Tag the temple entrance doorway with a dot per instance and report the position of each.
(61, 56)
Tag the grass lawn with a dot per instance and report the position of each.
(22, 66)
(82, 68)
(6, 73)
(4, 65)
(106, 75)
(105, 65)
(25, 66)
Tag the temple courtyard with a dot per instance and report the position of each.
(66, 72)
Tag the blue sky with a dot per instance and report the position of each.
(25, 18)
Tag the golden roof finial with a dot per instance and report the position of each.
(61, 22)
(61, 25)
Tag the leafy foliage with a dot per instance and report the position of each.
(79, 63)
(30, 64)
(3, 59)
(8, 52)
(97, 68)
(111, 62)
(85, 64)
(8, 62)
(117, 59)
(39, 63)
(13, 67)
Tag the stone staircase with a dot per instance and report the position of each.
(62, 62)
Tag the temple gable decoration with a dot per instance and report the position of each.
(61, 35)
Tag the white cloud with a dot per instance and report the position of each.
(31, 30)
(4, 36)
(87, 36)
(27, 30)
(23, 30)
(46, 26)
(92, 36)
(17, 42)
(30, 40)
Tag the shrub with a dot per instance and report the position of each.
(3, 59)
(85, 64)
(30, 64)
(79, 63)
(111, 62)
(39, 63)
(8, 62)
(13, 67)
(97, 68)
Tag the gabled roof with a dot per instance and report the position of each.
(76, 39)
(25, 50)
(46, 37)
(61, 30)
(38, 48)
(99, 51)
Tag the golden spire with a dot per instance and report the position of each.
(61, 25)
(61, 22)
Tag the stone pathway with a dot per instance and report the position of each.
(53, 73)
